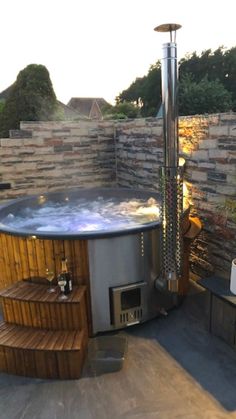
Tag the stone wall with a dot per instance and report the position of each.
(208, 143)
(50, 156)
(53, 156)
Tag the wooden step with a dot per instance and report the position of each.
(29, 304)
(42, 353)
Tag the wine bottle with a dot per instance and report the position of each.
(64, 279)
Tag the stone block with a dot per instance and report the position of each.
(140, 156)
(33, 142)
(206, 165)
(218, 154)
(208, 144)
(218, 130)
(200, 155)
(157, 131)
(42, 134)
(232, 130)
(80, 132)
(11, 142)
(199, 176)
(62, 148)
(226, 190)
(57, 133)
(225, 168)
(215, 198)
(216, 176)
(23, 167)
(231, 179)
(20, 133)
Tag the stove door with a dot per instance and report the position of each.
(128, 304)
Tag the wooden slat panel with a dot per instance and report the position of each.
(27, 258)
(29, 363)
(35, 314)
(15, 242)
(58, 249)
(5, 277)
(40, 362)
(3, 363)
(77, 255)
(7, 243)
(24, 258)
(32, 258)
(17, 312)
(40, 257)
(26, 313)
(10, 360)
(8, 313)
(51, 365)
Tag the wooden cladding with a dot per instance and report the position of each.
(27, 258)
(41, 353)
(32, 305)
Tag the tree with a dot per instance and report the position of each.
(31, 98)
(214, 71)
(145, 91)
(121, 110)
(216, 65)
(203, 97)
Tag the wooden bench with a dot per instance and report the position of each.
(221, 308)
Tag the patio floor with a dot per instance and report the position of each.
(173, 369)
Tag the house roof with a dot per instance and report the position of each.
(68, 112)
(83, 105)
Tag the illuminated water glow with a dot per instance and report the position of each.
(81, 215)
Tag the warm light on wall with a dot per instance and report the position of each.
(191, 132)
(186, 195)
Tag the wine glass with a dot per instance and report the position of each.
(50, 276)
(62, 283)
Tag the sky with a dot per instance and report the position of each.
(97, 48)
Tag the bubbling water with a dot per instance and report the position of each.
(81, 215)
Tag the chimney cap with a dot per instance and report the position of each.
(168, 27)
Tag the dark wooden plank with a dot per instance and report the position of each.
(29, 363)
(35, 314)
(10, 360)
(51, 365)
(26, 313)
(44, 315)
(40, 364)
(17, 311)
(8, 313)
(220, 287)
(3, 364)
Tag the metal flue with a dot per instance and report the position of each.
(171, 183)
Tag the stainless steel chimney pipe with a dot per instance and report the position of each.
(169, 104)
(171, 182)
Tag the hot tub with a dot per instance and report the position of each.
(118, 261)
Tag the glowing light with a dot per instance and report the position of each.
(152, 210)
(42, 199)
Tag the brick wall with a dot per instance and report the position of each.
(53, 156)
